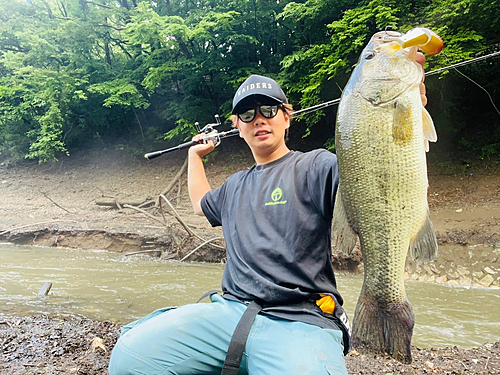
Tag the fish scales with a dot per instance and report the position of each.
(396, 184)
(382, 198)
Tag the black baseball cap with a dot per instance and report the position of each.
(256, 85)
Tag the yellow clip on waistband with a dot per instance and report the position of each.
(326, 303)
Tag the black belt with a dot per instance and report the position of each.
(238, 341)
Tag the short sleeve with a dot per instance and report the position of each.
(212, 203)
(323, 181)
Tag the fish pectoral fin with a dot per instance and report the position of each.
(402, 125)
(424, 246)
(430, 134)
(343, 236)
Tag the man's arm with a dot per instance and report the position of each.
(197, 180)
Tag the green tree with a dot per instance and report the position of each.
(464, 112)
(319, 67)
(74, 71)
(50, 52)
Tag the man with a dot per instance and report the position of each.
(276, 218)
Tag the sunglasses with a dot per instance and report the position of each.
(267, 111)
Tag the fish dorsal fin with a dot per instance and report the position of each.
(343, 235)
(430, 134)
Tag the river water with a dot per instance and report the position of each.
(110, 286)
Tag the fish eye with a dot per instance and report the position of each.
(369, 55)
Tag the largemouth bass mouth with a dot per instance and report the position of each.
(381, 138)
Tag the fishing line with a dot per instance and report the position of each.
(477, 84)
(463, 63)
(452, 66)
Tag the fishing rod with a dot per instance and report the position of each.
(315, 107)
(436, 71)
(209, 132)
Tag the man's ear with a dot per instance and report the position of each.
(239, 127)
(287, 119)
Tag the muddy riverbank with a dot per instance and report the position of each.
(76, 345)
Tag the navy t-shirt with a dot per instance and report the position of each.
(276, 220)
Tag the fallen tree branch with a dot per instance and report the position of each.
(200, 246)
(113, 202)
(145, 213)
(184, 225)
(172, 183)
(102, 194)
(147, 203)
(178, 217)
(50, 199)
(177, 177)
(118, 204)
(31, 225)
(142, 252)
(45, 289)
(179, 193)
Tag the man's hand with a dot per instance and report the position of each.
(201, 149)
(420, 59)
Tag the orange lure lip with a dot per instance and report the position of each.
(427, 40)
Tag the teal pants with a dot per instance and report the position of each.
(193, 339)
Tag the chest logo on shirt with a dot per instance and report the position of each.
(276, 196)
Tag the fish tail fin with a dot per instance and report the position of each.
(424, 246)
(343, 236)
(385, 329)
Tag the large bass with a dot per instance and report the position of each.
(381, 137)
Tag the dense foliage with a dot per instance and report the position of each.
(77, 72)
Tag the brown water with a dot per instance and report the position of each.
(110, 286)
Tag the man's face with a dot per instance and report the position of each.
(263, 135)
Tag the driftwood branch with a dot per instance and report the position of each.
(172, 183)
(145, 213)
(147, 203)
(178, 217)
(91, 191)
(50, 199)
(179, 189)
(143, 252)
(169, 187)
(118, 204)
(162, 212)
(114, 202)
(200, 246)
(45, 289)
(184, 225)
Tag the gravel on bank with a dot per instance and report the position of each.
(41, 344)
